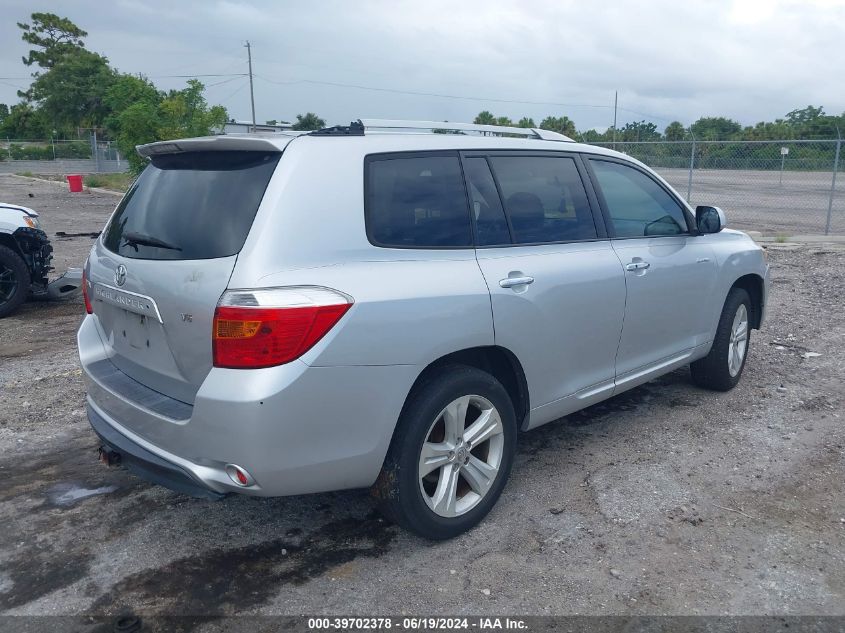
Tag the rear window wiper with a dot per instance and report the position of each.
(134, 240)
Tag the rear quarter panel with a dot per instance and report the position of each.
(411, 305)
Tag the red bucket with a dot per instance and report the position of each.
(74, 181)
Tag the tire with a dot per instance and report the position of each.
(14, 281)
(720, 370)
(444, 415)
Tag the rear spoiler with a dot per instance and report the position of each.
(220, 143)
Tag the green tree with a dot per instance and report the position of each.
(71, 94)
(185, 113)
(639, 131)
(308, 121)
(24, 122)
(769, 131)
(675, 131)
(271, 122)
(594, 136)
(504, 121)
(485, 117)
(126, 90)
(136, 125)
(526, 122)
(179, 114)
(563, 125)
(812, 123)
(803, 116)
(53, 38)
(715, 129)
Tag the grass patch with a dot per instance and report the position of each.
(116, 182)
(28, 174)
(780, 238)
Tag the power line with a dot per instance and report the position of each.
(458, 97)
(438, 95)
(199, 75)
(227, 53)
(431, 94)
(233, 93)
(160, 76)
(220, 83)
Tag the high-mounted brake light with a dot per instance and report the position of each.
(273, 326)
(85, 297)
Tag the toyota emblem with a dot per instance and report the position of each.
(120, 275)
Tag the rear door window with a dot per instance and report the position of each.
(193, 205)
(544, 198)
(638, 206)
(491, 226)
(416, 201)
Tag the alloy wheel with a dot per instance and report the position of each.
(738, 344)
(461, 456)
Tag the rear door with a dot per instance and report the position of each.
(558, 292)
(669, 270)
(165, 258)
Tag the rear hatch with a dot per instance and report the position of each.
(166, 256)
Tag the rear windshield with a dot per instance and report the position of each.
(195, 205)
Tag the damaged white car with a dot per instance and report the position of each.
(25, 256)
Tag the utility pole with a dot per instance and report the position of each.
(615, 103)
(251, 93)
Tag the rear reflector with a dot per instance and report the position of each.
(273, 326)
(85, 297)
(239, 475)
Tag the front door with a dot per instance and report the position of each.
(669, 271)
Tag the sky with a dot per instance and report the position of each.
(750, 60)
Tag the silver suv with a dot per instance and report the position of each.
(388, 304)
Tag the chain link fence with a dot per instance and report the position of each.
(776, 187)
(54, 156)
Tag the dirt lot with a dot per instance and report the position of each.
(665, 500)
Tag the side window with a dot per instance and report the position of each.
(490, 223)
(544, 198)
(638, 206)
(416, 202)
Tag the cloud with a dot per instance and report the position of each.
(746, 59)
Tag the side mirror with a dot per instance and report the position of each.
(709, 219)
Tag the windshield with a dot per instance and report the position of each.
(195, 205)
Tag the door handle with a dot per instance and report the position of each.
(637, 266)
(510, 282)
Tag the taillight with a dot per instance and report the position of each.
(273, 326)
(85, 296)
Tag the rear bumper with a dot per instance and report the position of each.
(146, 464)
(294, 428)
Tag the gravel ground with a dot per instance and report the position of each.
(664, 500)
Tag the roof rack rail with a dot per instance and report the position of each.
(355, 128)
(448, 126)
